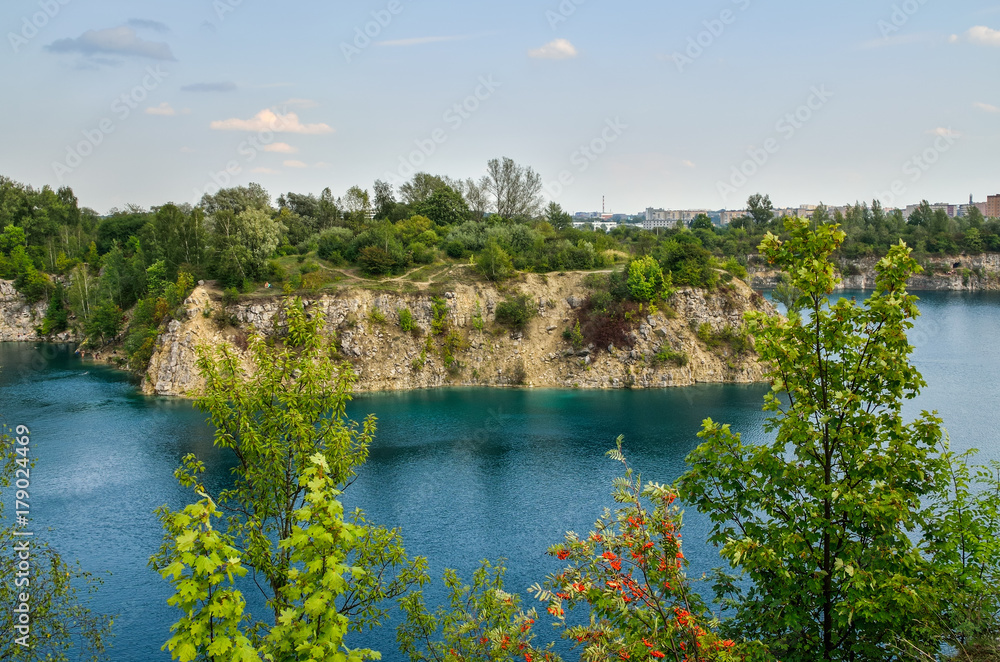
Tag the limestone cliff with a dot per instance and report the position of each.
(386, 358)
(965, 273)
(19, 319)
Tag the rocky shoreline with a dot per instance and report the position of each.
(365, 324)
(965, 273)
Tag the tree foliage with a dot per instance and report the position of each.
(822, 519)
(284, 420)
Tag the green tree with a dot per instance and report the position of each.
(820, 518)
(201, 562)
(12, 237)
(702, 222)
(177, 236)
(646, 280)
(384, 199)
(444, 206)
(243, 243)
(558, 218)
(922, 216)
(973, 240)
(57, 314)
(237, 200)
(760, 209)
(975, 219)
(494, 263)
(279, 417)
(104, 323)
(515, 190)
(421, 187)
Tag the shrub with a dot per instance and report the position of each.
(230, 296)
(645, 279)
(518, 374)
(605, 320)
(375, 261)
(574, 336)
(439, 321)
(453, 343)
(494, 263)
(377, 316)
(332, 244)
(421, 253)
(850, 269)
(455, 249)
(668, 355)
(104, 323)
(516, 312)
(275, 272)
(737, 340)
(733, 266)
(406, 322)
(688, 263)
(478, 323)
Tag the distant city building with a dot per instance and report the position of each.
(606, 226)
(951, 210)
(668, 218)
(992, 207)
(802, 211)
(727, 217)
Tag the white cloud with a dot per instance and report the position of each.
(265, 171)
(115, 41)
(987, 107)
(268, 120)
(188, 150)
(945, 132)
(689, 164)
(280, 148)
(560, 49)
(163, 109)
(321, 164)
(983, 35)
(295, 164)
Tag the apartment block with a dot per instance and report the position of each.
(992, 207)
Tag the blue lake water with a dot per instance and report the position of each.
(468, 474)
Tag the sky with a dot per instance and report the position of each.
(679, 105)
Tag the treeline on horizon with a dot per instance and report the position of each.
(92, 268)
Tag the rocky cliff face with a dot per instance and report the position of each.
(968, 273)
(386, 358)
(18, 319)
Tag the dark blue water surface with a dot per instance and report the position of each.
(468, 474)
